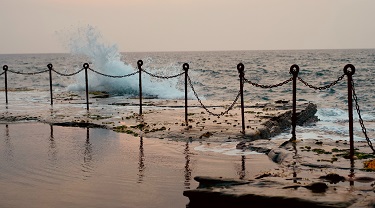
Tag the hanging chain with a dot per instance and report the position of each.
(68, 75)
(268, 86)
(28, 73)
(324, 87)
(360, 118)
(114, 76)
(2, 73)
(205, 108)
(163, 77)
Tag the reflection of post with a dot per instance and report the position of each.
(187, 171)
(87, 157)
(7, 131)
(141, 162)
(52, 146)
(8, 143)
(242, 173)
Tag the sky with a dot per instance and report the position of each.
(32, 26)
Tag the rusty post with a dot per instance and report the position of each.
(241, 69)
(86, 66)
(185, 66)
(140, 63)
(50, 81)
(349, 74)
(5, 68)
(294, 69)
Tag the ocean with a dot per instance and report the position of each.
(214, 76)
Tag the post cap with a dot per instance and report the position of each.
(86, 65)
(240, 67)
(5, 67)
(294, 69)
(351, 71)
(185, 66)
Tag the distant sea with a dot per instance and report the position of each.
(215, 77)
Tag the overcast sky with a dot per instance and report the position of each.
(29, 26)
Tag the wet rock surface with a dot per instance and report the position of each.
(311, 173)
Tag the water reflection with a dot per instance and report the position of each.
(52, 151)
(141, 161)
(187, 171)
(87, 155)
(242, 172)
(8, 144)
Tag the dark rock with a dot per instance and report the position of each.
(205, 182)
(333, 178)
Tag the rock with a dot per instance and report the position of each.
(333, 178)
(265, 193)
(280, 156)
(205, 181)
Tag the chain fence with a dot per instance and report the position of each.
(28, 73)
(323, 87)
(114, 76)
(360, 118)
(163, 77)
(268, 86)
(364, 130)
(206, 108)
(68, 75)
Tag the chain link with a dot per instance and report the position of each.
(324, 87)
(115, 76)
(269, 86)
(28, 73)
(205, 108)
(360, 118)
(68, 75)
(163, 77)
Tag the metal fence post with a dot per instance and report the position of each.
(185, 66)
(50, 81)
(349, 74)
(86, 66)
(140, 63)
(5, 68)
(241, 68)
(294, 69)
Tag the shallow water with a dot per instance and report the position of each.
(50, 166)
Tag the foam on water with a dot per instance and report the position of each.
(87, 41)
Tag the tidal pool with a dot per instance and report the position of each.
(51, 166)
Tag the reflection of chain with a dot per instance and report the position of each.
(30, 73)
(114, 76)
(68, 75)
(324, 87)
(360, 118)
(163, 77)
(268, 86)
(204, 107)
